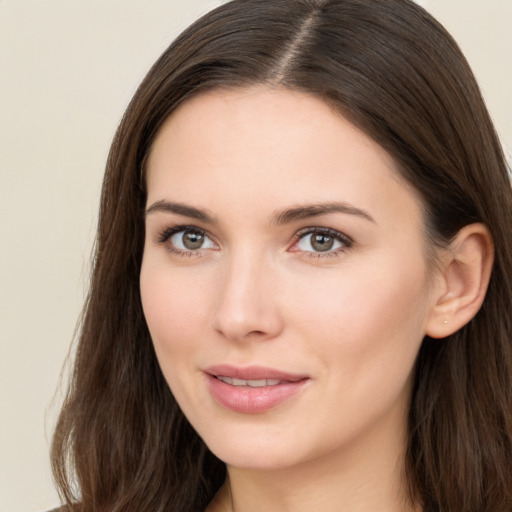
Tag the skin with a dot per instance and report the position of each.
(258, 293)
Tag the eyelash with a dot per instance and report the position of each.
(167, 234)
(345, 241)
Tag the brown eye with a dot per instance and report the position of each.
(321, 242)
(186, 240)
(192, 240)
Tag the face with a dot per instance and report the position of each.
(284, 278)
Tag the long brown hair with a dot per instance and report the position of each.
(122, 443)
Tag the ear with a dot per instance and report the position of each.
(463, 279)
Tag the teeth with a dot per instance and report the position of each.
(249, 383)
(257, 383)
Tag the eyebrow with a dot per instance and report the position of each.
(181, 209)
(302, 212)
(285, 216)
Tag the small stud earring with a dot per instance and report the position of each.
(445, 322)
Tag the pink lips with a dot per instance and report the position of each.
(252, 389)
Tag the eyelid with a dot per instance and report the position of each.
(328, 231)
(166, 234)
(346, 241)
(169, 231)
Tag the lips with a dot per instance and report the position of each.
(253, 389)
(260, 383)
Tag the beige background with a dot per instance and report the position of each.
(67, 70)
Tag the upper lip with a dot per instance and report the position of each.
(253, 373)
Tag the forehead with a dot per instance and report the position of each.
(234, 147)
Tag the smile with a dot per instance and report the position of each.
(254, 389)
(250, 383)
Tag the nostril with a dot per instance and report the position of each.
(256, 333)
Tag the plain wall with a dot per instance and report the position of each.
(67, 71)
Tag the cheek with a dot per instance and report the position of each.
(364, 331)
(369, 315)
(175, 307)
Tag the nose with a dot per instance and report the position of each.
(247, 306)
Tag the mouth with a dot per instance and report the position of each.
(252, 375)
(253, 389)
(260, 383)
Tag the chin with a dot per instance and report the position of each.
(255, 459)
(249, 450)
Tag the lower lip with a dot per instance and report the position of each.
(249, 400)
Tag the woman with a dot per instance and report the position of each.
(301, 294)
